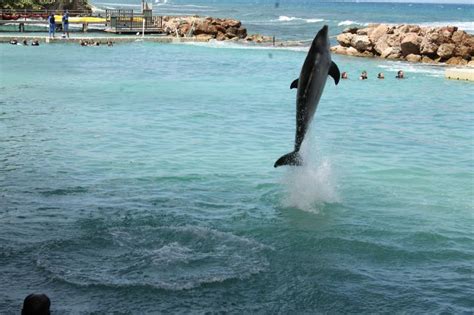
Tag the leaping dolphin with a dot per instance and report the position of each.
(310, 84)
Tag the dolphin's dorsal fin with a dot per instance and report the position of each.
(334, 72)
(294, 84)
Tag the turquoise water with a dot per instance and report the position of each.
(139, 179)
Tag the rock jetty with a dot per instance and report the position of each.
(207, 28)
(408, 42)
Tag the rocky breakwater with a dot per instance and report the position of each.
(408, 42)
(207, 28)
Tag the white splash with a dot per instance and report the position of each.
(312, 184)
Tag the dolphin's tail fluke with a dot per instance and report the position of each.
(293, 158)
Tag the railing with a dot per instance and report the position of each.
(122, 20)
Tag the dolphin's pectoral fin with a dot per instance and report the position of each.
(334, 72)
(294, 84)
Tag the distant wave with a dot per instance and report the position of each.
(349, 22)
(465, 26)
(284, 18)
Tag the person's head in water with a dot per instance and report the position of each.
(344, 75)
(363, 75)
(380, 76)
(400, 74)
(36, 304)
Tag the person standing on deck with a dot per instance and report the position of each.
(66, 24)
(52, 25)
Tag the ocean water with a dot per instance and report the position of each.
(139, 179)
(300, 19)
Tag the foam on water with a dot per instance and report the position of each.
(170, 258)
(436, 71)
(312, 184)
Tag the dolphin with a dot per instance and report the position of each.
(310, 84)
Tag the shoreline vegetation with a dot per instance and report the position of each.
(75, 5)
(413, 43)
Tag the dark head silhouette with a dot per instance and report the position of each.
(36, 304)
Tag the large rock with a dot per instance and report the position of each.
(344, 39)
(257, 38)
(469, 42)
(414, 29)
(445, 51)
(428, 47)
(231, 23)
(456, 61)
(231, 32)
(204, 37)
(205, 28)
(220, 36)
(351, 51)
(241, 32)
(410, 44)
(391, 53)
(457, 37)
(413, 58)
(378, 32)
(351, 30)
(382, 44)
(364, 31)
(463, 52)
(361, 43)
(426, 59)
(341, 50)
(445, 34)
(393, 40)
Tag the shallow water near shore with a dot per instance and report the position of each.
(139, 178)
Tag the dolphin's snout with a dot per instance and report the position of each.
(324, 30)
